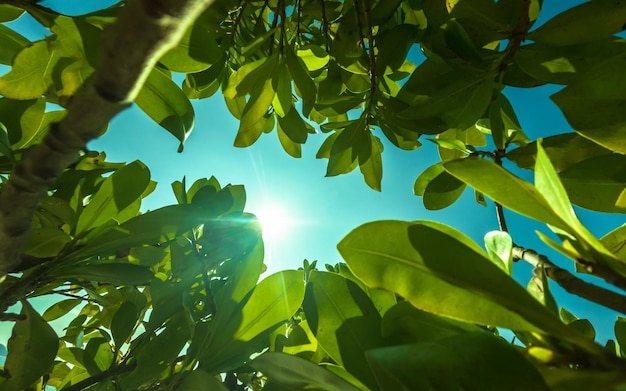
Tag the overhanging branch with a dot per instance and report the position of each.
(570, 282)
(145, 30)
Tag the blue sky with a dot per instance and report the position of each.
(323, 210)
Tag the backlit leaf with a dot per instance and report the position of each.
(439, 270)
(163, 101)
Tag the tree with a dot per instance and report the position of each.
(170, 298)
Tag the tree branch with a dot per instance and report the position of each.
(570, 282)
(145, 30)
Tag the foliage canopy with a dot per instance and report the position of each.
(171, 298)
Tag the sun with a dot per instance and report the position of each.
(275, 221)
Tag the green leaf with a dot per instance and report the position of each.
(499, 247)
(472, 362)
(592, 104)
(496, 123)
(435, 90)
(305, 87)
(199, 380)
(98, 356)
(118, 192)
(157, 353)
(196, 51)
(548, 183)
(372, 168)
(504, 188)
(405, 324)
(272, 302)
(31, 350)
(11, 43)
(150, 228)
(254, 115)
(438, 188)
(31, 74)
(564, 150)
(606, 175)
(296, 373)
(294, 126)
(313, 56)
(165, 103)
(587, 22)
(9, 13)
(124, 322)
(620, 332)
(112, 273)
(46, 242)
(615, 241)
(283, 101)
(439, 270)
(60, 309)
(344, 321)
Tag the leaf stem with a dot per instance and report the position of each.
(325, 25)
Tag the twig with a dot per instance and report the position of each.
(497, 158)
(11, 317)
(372, 56)
(144, 31)
(325, 25)
(518, 35)
(604, 272)
(570, 282)
(114, 371)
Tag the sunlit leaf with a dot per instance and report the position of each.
(163, 101)
(441, 271)
(31, 74)
(118, 192)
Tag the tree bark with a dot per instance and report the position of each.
(145, 30)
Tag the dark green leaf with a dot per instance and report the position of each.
(123, 322)
(113, 273)
(587, 22)
(31, 350)
(199, 380)
(60, 309)
(344, 321)
(297, 373)
(473, 362)
(593, 103)
(196, 51)
(564, 150)
(98, 355)
(597, 183)
(10, 44)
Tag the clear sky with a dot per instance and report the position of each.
(321, 211)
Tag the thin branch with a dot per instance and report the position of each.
(114, 371)
(604, 272)
(11, 317)
(372, 55)
(497, 158)
(517, 36)
(325, 25)
(144, 31)
(570, 282)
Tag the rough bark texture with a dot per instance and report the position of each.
(146, 29)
